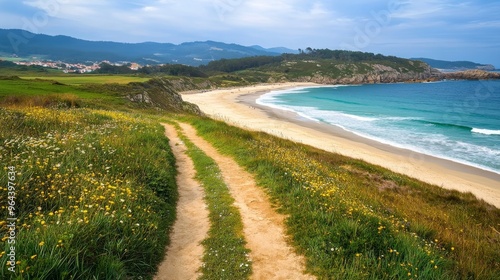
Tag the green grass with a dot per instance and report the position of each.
(95, 193)
(353, 220)
(90, 79)
(21, 87)
(19, 92)
(225, 254)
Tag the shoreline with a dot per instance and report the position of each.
(237, 106)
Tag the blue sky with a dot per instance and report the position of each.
(440, 29)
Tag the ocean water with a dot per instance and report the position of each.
(454, 120)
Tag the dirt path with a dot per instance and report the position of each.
(184, 254)
(272, 257)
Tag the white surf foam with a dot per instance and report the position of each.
(486, 131)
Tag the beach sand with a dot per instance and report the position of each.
(237, 106)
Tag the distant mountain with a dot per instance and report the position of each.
(278, 50)
(455, 65)
(26, 44)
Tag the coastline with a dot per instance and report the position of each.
(238, 107)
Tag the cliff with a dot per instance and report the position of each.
(162, 94)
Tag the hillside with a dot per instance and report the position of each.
(326, 66)
(26, 44)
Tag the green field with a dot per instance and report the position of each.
(40, 87)
(90, 79)
(92, 92)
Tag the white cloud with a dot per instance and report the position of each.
(420, 9)
(149, 9)
(413, 25)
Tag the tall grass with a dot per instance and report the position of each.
(354, 220)
(48, 101)
(89, 79)
(95, 193)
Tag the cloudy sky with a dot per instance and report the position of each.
(440, 29)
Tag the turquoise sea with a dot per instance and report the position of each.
(454, 120)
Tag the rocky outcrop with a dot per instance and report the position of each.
(471, 75)
(161, 94)
(187, 84)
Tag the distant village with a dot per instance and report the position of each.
(76, 67)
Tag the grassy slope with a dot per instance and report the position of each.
(95, 193)
(22, 87)
(351, 219)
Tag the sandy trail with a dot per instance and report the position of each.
(183, 259)
(264, 232)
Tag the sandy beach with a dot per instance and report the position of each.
(237, 106)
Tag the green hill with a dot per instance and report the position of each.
(326, 67)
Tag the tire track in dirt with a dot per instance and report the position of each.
(271, 256)
(184, 255)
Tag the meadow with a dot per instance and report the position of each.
(90, 79)
(83, 91)
(95, 193)
(95, 196)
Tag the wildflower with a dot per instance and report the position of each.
(41, 243)
(33, 257)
